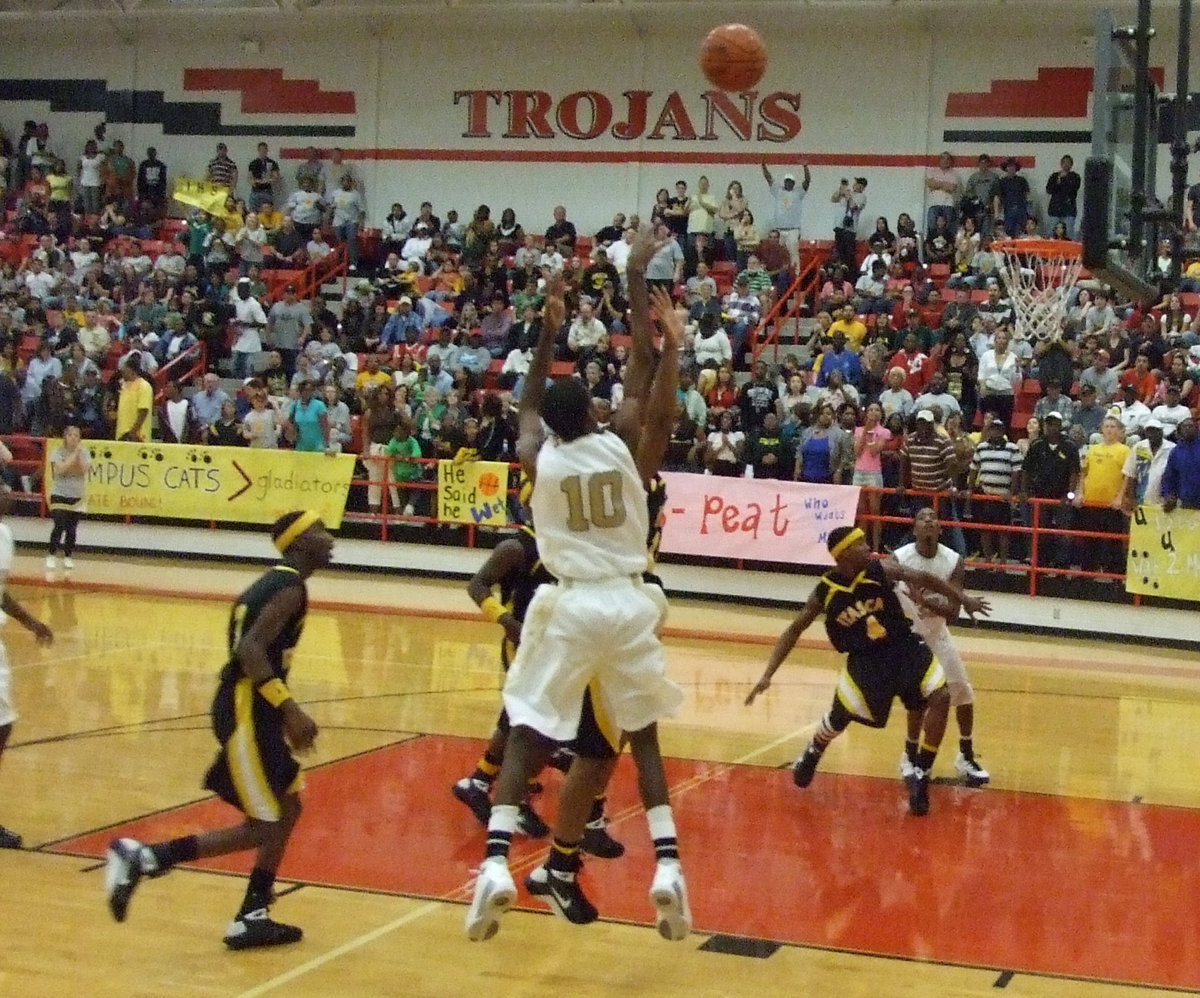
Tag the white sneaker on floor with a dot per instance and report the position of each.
(495, 893)
(68, 565)
(969, 768)
(906, 766)
(668, 894)
(51, 563)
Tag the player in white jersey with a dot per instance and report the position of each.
(930, 613)
(596, 628)
(11, 608)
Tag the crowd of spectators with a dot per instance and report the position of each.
(910, 377)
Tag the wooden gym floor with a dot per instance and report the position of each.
(1072, 875)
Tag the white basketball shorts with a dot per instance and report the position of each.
(7, 713)
(579, 632)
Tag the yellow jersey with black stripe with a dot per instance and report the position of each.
(246, 611)
(517, 587)
(863, 613)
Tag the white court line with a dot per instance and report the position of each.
(51, 659)
(347, 947)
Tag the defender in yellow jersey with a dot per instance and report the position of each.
(884, 658)
(258, 725)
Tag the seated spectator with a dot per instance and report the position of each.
(725, 447)
(289, 245)
(1143, 379)
(260, 426)
(586, 333)
(937, 395)
(475, 358)
(174, 417)
(1172, 411)
(317, 247)
(896, 398)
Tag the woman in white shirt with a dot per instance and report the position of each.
(250, 240)
(999, 375)
(260, 426)
(89, 178)
(724, 448)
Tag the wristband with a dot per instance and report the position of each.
(492, 609)
(275, 692)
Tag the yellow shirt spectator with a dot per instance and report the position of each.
(136, 396)
(1102, 478)
(854, 329)
(367, 381)
(270, 219)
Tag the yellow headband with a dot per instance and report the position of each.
(301, 524)
(855, 535)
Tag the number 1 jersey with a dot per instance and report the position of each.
(589, 508)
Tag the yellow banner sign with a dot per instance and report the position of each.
(224, 484)
(201, 194)
(473, 492)
(1164, 553)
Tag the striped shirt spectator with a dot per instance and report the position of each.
(223, 170)
(927, 457)
(996, 466)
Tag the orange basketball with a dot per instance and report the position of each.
(733, 57)
(489, 484)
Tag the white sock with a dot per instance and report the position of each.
(662, 824)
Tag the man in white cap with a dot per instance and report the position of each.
(1144, 467)
(1172, 412)
(789, 202)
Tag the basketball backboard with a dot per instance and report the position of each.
(1119, 225)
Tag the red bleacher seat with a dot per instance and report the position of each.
(1190, 301)
(939, 273)
(978, 296)
(562, 369)
(1032, 387)
(620, 340)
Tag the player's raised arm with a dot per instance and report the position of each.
(506, 558)
(923, 580)
(530, 432)
(787, 641)
(659, 410)
(639, 368)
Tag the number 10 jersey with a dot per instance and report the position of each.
(589, 508)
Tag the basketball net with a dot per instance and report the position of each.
(1040, 275)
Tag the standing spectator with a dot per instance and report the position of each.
(977, 200)
(403, 453)
(869, 442)
(206, 403)
(756, 398)
(702, 212)
(999, 375)
(69, 467)
(768, 453)
(996, 474)
(927, 466)
(222, 170)
(665, 268)
(305, 207)
(134, 404)
(1144, 468)
(307, 425)
(724, 448)
(152, 188)
(173, 417)
(849, 201)
(264, 175)
(1181, 478)
(825, 449)
(41, 366)
(1101, 378)
(249, 319)
(348, 210)
(260, 426)
(90, 182)
(118, 174)
(1010, 199)
(1051, 471)
(1063, 188)
(944, 190)
(789, 206)
(1098, 500)
(227, 430)
(288, 326)
(916, 365)
(1089, 413)
(1055, 401)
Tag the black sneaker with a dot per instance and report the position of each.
(806, 767)
(529, 822)
(9, 839)
(597, 842)
(255, 929)
(918, 793)
(122, 871)
(475, 797)
(561, 891)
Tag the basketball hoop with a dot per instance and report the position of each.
(1040, 275)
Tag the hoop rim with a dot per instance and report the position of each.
(1047, 249)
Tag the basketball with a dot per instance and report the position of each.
(733, 57)
(489, 484)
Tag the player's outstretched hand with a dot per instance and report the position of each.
(42, 633)
(668, 319)
(554, 312)
(301, 730)
(976, 605)
(761, 686)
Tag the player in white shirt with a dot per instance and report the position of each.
(930, 613)
(597, 627)
(11, 608)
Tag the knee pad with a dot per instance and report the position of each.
(961, 694)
